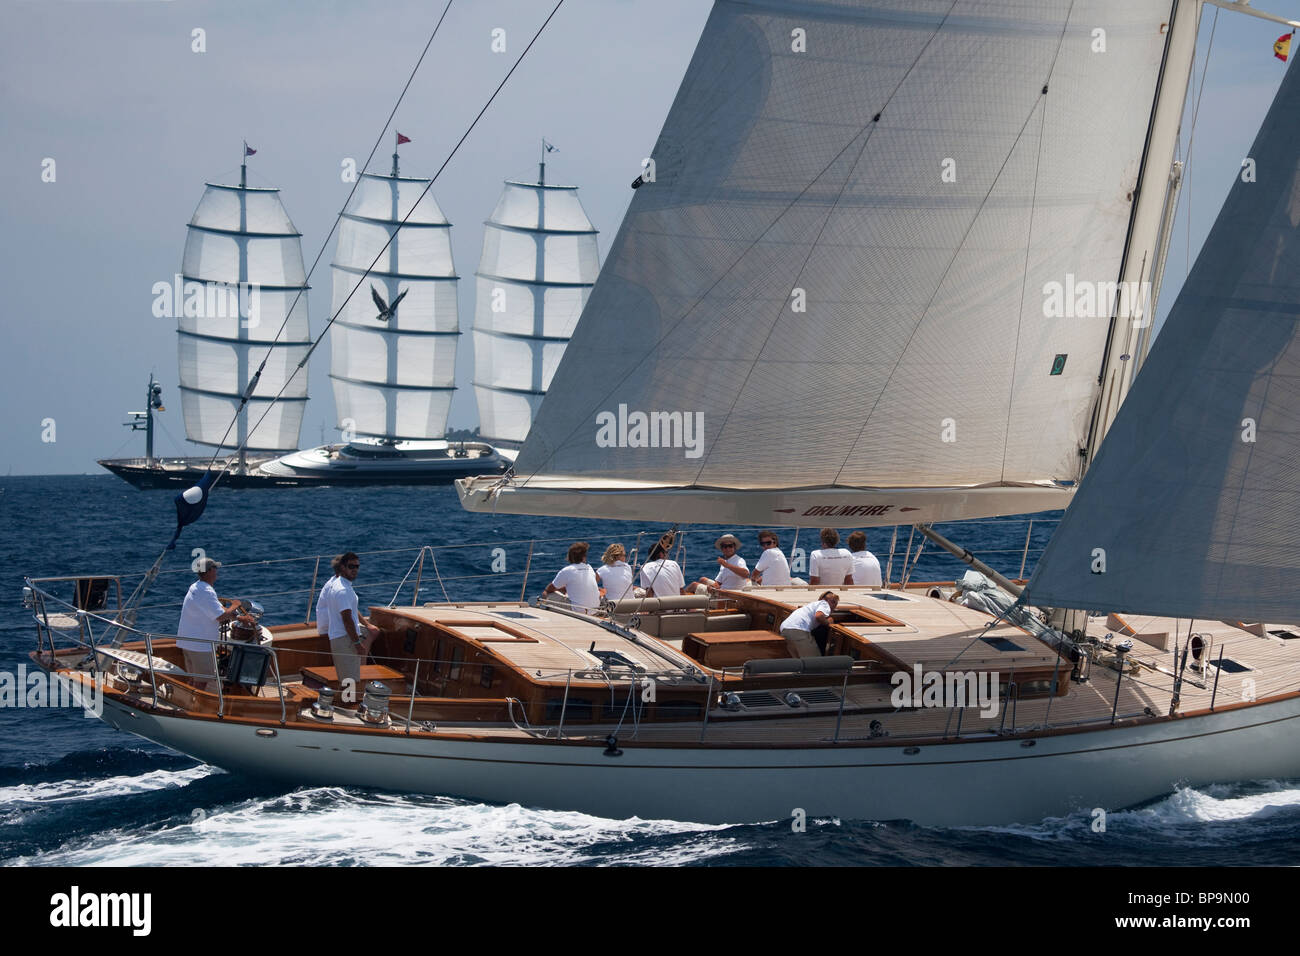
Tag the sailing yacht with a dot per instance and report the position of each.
(865, 339)
(392, 346)
(241, 299)
(538, 265)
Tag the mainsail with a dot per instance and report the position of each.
(832, 295)
(1192, 508)
(243, 272)
(393, 345)
(538, 265)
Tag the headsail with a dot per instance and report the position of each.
(242, 270)
(1193, 505)
(393, 347)
(839, 267)
(538, 265)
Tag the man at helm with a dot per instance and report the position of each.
(201, 618)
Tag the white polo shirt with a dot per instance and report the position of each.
(664, 577)
(830, 566)
(322, 607)
(774, 568)
(342, 598)
(805, 619)
(579, 583)
(199, 616)
(866, 569)
(616, 579)
(729, 579)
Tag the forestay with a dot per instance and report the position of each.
(1192, 508)
(394, 374)
(243, 271)
(536, 271)
(840, 263)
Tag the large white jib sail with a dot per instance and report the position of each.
(851, 284)
(393, 345)
(538, 265)
(243, 271)
(1192, 508)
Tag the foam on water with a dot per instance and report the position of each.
(1186, 808)
(333, 826)
(64, 791)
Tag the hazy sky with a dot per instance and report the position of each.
(136, 121)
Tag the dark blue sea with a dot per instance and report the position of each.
(73, 791)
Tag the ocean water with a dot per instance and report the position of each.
(73, 791)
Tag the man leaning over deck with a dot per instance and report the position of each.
(201, 618)
(799, 626)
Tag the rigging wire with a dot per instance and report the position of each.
(248, 392)
(1191, 140)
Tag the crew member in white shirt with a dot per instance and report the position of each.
(614, 573)
(201, 618)
(577, 581)
(830, 565)
(322, 607)
(351, 633)
(771, 568)
(661, 576)
(866, 569)
(733, 572)
(798, 627)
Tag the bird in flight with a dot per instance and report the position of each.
(386, 311)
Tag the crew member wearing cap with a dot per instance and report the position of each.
(201, 618)
(732, 570)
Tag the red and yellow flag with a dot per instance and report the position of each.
(1282, 48)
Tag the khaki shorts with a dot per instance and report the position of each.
(347, 662)
(800, 642)
(201, 662)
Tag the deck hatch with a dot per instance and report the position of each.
(1229, 666)
(1002, 644)
(1285, 635)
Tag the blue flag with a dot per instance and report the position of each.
(189, 506)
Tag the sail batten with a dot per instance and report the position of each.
(393, 352)
(243, 272)
(1192, 507)
(539, 261)
(841, 258)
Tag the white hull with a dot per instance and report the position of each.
(1000, 780)
(404, 463)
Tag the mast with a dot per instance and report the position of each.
(149, 400)
(539, 262)
(1190, 508)
(393, 345)
(1150, 228)
(242, 274)
(143, 421)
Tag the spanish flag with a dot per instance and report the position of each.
(1282, 48)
